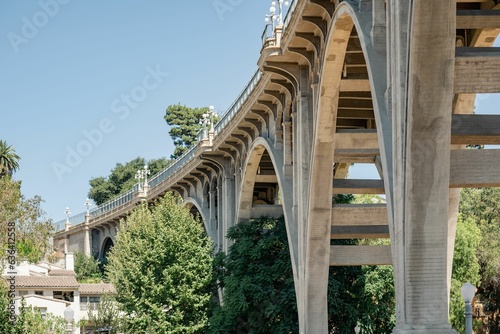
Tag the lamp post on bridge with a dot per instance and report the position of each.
(86, 240)
(142, 177)
(273, 16)
(139, 176)
(68, 224)
(207, 121)
(87, 204)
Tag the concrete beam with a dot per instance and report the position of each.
(465, 129)
(274, 211)
(360, 186)
(359, 214)
(476, 70)
(360, 255)
(478, 19)
(475, 168)
(355, 85)
(264, 178)
(360, 232)
(356, 114)
(356, 139)
(355, 156)
(475, 129)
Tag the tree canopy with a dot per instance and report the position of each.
(9, 160)
(122, 178)
(32, 226)
(482, 206)
(257, 278)
(184, 125)
(259, 292)
(87, 269)
(161, 267)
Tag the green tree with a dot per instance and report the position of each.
(184, 125)
(9, 160)
(32, 226)
(259, 293)
(465, 268)
(87, 269)
(122, 178)
(106, 316)
(161, 267)
(483, 207)
(257, 278)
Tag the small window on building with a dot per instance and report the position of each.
(83, 303)
(63, 295)
(95, 300)
(89, 303)
(23, 293)
(39, 293)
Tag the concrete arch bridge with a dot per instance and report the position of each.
(389, 83)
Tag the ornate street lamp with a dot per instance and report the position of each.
(87, 204)
(146, 172)
(68, 316)
(204, 121)
(468, 291)
(273, 16)
(211, 113)
(68, 224)
(139, 177)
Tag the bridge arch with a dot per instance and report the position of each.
(335, 84)
(248, 177)
(107, 244)
(195, 208)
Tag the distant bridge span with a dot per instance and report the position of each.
(388, 83)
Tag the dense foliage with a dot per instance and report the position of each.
(259, 292)
(122, 178)
(465, 268)
(32, 226)
(482, 206)
(184, 125)
(87, 269)
(257, 278)
(106, 316)
(161, 267)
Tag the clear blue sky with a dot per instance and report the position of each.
(71, 72)
(75, 69)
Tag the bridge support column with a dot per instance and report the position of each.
(212, 210)
(287, 147)
(229, 199)
(86, 237)
(422, 109)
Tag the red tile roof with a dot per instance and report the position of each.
(61, 272)
(96, 288)
(68, 282)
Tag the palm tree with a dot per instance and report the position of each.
(9, 160)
